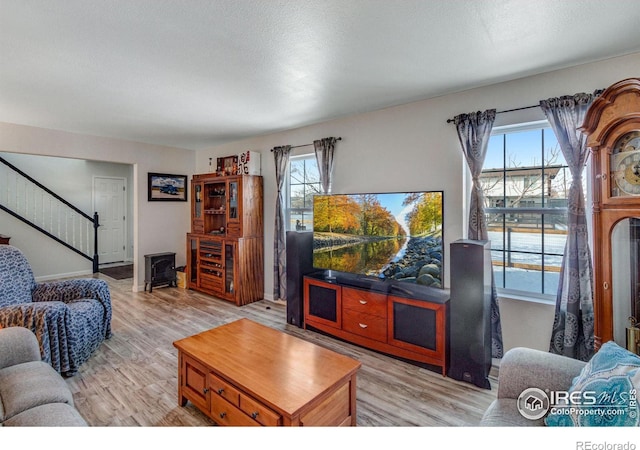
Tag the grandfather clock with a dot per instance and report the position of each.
(612, 127)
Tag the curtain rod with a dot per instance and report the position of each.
(307, 145)
(595, 93)
(506, 111)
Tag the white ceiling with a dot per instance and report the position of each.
(197, 73)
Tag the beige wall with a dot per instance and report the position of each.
(408, 147)
(157, 226)
(412, 147)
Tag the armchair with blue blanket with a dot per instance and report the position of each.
(70, 318)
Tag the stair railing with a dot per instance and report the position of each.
(31, 202)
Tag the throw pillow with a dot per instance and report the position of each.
(603, 394)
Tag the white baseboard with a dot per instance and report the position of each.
(82, 273)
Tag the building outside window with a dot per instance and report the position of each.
(525, 182)
(303, 184)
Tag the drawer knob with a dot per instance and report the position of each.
(205, 390)
(363, 325)
(254, 415)
(220, 391)
(223, 415)
(363, 302)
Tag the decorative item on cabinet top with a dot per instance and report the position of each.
(249, 163)
(227, 165)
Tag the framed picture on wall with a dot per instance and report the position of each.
(164, 187)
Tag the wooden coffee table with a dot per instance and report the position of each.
(245, 373)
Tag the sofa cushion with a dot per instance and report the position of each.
(49, 415)
(503, 412)
(607, 390)
(31, 384)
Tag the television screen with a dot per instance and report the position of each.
(395, 236)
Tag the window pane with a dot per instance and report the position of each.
(552, 274)
(557, 176)
(526, 169)
(492, 177)
(528, 280)
(494, 158)
(296, 170)
(310, 191)
(297, 196)
(312, 174)
(303, 184)
(301, 220)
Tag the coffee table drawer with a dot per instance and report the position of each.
(223, 389)
(259, 412)
(194, 382)
(224, 413)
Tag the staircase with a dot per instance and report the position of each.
(42, 209)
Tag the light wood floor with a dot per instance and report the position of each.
(131, 380)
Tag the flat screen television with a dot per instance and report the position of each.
(388, 236)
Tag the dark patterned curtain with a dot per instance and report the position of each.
(281, 156)
(572, 333)
(474, 131)
(324, 149)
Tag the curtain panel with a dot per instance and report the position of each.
(324, 149)
(281, 157)
(572, 333)
(474, 131)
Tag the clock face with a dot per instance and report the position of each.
(628, 142)
(627, 172)
(624, 164)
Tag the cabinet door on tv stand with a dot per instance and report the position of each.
(420, 327)
(322, 303)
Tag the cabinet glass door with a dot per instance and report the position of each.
(192, 260)
(229, 255)
(214, 208)
(197, 204)
(625, 251)
(233, 200)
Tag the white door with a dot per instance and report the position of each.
(109, 202)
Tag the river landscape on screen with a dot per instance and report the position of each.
(395, 236)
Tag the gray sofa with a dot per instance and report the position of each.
(32, 393)
(523, 368)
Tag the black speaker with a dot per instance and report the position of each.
(470, 311)
(299, 263)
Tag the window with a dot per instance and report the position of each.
(525, 182)
(303, 184)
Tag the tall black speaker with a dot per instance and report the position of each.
(299, 264)
(470, 311)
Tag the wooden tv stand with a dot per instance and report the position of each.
(244, 373)
(400, 319)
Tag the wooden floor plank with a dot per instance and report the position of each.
(131, 380)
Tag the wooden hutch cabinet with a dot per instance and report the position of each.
(612, 127)
(225, 247)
